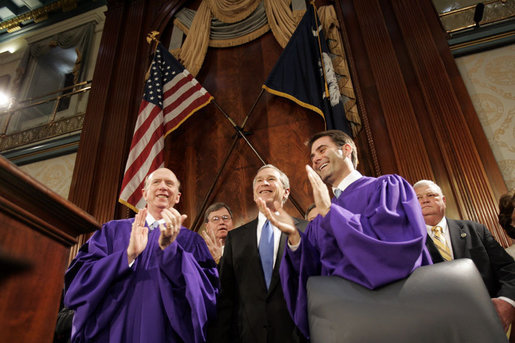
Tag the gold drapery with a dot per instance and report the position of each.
(281, 20)
(224, 35)
(194, 49)
(232, 11)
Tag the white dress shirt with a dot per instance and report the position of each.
(150, 220)
(348, 180)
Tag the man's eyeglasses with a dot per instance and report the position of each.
(216, 219)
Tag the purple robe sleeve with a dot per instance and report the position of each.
(191, 301)
(295, 269)
(165, 296)
(374, 234)
(91, 274)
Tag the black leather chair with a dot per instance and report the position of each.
(445, 302)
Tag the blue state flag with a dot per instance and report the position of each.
(305, 74)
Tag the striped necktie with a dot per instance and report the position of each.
(440, 243)
(266, 251)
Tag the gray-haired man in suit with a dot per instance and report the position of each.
(452, 239)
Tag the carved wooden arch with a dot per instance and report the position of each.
(167, 12)
(195, 188)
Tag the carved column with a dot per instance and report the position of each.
(419, 116)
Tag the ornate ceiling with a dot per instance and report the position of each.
(19, 16)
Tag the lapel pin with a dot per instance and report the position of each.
(463, 235)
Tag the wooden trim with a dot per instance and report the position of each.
(411, 95)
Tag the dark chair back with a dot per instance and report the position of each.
(445, 302)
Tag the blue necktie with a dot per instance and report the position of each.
(337, 192)
(266, 251)
(154, 225)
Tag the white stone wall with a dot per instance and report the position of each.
(55, 173)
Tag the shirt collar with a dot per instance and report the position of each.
(442, 223)
(261, 217)
(150, 220)
(348, 180)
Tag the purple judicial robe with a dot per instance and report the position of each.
(373, 234)
(166, 296)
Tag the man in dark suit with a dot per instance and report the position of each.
(251, 305)
(451, 239)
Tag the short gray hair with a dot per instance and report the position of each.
(428, 183)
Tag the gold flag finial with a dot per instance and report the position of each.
(152, 37)
(153, 41)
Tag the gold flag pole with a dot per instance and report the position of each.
(320, 47)
(153, 41)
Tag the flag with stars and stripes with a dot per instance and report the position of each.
(171, 96)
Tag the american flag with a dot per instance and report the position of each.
(171, 96)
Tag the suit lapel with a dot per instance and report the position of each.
(458, 243)
(433, 250)
(280, 252)
(254, 251)
(248, 253)
(279, 256)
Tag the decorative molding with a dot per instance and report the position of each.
(86, 12)
(482, 39)
(58, 128)
(97, 16)
(36, 15)
(461, 19)
(44, 151)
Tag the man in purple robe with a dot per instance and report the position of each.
(372, 232)
(146, 279)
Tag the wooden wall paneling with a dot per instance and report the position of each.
(83, 185)
(117, 87)
(278, 129)
(481, 142)
(469, 180)
(118, 81)
(122, 110)
(194, 151)
(393, 95)
(412, 98)
(365, 88)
